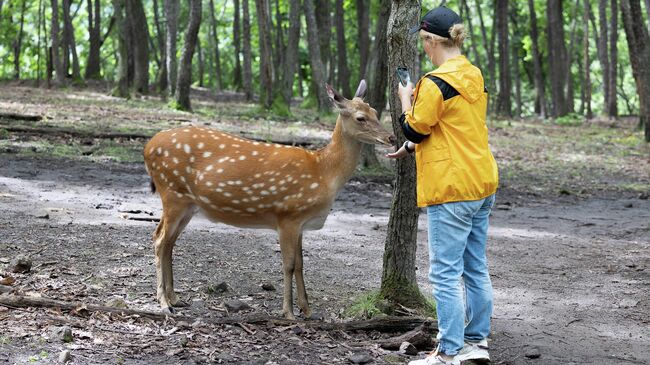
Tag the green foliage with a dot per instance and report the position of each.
(571, 119)
(372, 304)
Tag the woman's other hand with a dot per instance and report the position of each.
(405, 94)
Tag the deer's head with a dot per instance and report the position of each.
(359, 119)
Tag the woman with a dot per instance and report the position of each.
(456, 181)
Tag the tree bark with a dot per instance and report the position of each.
(237, 77)
(557, 59)
(140, 37)
(71, 48)
(504, 106)
(638, 43)
(184, 81)
(488, 46)
(611, 104)
(363, 39)
(56, 59)
(93, 62)
(217, 53)
(398, 283)
(266, 61)
(324, 24)
(540, 99)
(171, 16)
(292, 52)
(572, 51)
(18, 45)
(122, 83)
(585, 58)
(603, 53)
(161, 77)
(477, 58)
(201, 65)
(317, 74)
(248, 69)
(341, 52)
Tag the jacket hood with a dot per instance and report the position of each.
(462, 76)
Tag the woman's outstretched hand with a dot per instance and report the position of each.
(400, 153)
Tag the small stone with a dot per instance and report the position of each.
(66, 334)
(236, 305)
(43, 215)
(217, 289)
(116, 302)
(297, 330)
(268, 287)
(64, 356)
(408, 348)
(182, 325)
(533, 353)
(629, 205)
(360, 358)
(21, 264)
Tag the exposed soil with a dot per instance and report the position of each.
(571, 273)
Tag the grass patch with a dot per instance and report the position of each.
(371, 304)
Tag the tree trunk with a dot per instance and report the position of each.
(237, 77)
(611, 104)
(201, 65)
(56, 59)
(68, 34)
(248, 69)
(363, 39)
(266, 61)
(603, 53)
(292, 52)
(341, 52)
(573, 51)
(280, 49)
(540, 99)
(161, 77)
(140, 37)
(504, 105)
(491, 77)
(18, 45)
(184, 81)
(585, 54)
(473, 44)
(557, 59)
(217, 54)
(398, 283)
(41, 10)
(122, 83)
(317, 74)
(323, 21)
(638, 43)
(171, 16)
(93, 62)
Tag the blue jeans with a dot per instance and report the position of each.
(457, 249)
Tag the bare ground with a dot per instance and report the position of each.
(570, 265)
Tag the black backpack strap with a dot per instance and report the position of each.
(447, 90)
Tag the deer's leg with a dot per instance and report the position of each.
(164, 238)
(303, 302)
(289, 241)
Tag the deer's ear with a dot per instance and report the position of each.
(336, 98)
(361, 90)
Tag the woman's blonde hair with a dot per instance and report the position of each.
(457, 33)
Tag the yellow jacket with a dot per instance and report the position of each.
(453, 159)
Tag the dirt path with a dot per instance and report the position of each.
(571, 277)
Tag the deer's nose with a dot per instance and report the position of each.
(392, 139)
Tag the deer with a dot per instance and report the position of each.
(252, 184)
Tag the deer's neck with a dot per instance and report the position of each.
(339, 159)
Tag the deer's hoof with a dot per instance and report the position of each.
(168, 310)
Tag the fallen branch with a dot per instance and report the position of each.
(382, 324)
(16, 116)
(73, 132)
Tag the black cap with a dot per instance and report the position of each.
(438, 21)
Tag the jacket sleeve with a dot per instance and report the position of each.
(425, 113)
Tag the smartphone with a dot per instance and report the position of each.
(403, 75)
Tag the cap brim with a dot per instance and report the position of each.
(414, 29)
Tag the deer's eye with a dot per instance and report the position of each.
(361, 119)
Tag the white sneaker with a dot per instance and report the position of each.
(474, 351)
(435, 359)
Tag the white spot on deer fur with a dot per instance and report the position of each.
(218, 190)
(188, 169)
(186, 130)
(219, 171)
(207, 154)
(175, 172)
(272, 188)
(178, 146)
(242, 158)
(236, 145)
(208, 183)
(175, 160)
(162, 176)
(204, 199)
(254, 198)
(222, 146)
(251, 210)
(213, 206)
(173, 140)
(209, 168)
(313, 185)
(227, 194)
(232, 160)
(223, 159)
(264, 192)
(194, 136)
(256, 143)
(173, 134)
(192, 159)
(258, 175)
(166, 153)
(254, 153)
(200, 145)
(235, 201)
(230, 182)
(281, 182)
(258, 185)
(159, 150)
(187, 148)
(277, 146)
(183, 179)
(179, 195)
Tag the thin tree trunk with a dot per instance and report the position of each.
(248, 69)
(489, 47)
(323, 21)
(540, 99)
(585, 58)
(266, 61)
(201, 66)
(56, 59)
(477, 59)
(504, 105)
(557, 58)
(573, 51)
(38, 44)
(363, 39)
(19, 42)
(603, 53)
(161, 78)
(398, 282)
(122, 84)
(237, 77)
(217, 54)
(638, 43)
(280, 49)
(171, 15)
(140, 37)
(342, 56)
(68, 34)
(611, 104)
(184, 81)
(292, 52)
(93, 65)
(317, 74)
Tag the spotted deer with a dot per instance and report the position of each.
(253, 184)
